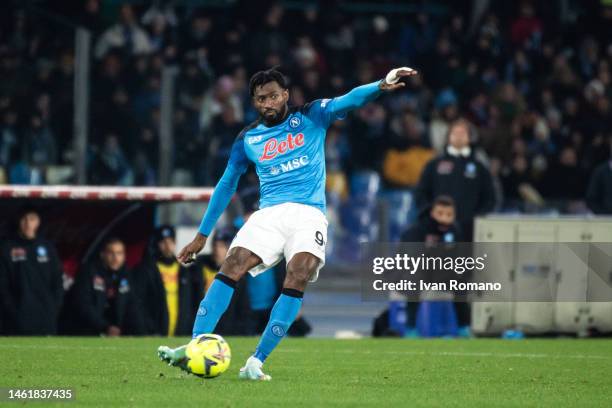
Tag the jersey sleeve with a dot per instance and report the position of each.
(226, 186)
(325, 111)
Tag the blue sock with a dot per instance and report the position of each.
(282, 316)
(213, 305)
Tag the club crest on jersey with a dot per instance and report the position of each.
(274, 148)
(470, 170)
(41, 253)
(294, 122)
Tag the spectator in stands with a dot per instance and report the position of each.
(102, 301)
(337, 153)
(39, 148)
(458, 174)
(599, 194)
(225, 128)
(369, 130)
(9, 139)
(110, 166)
(509, 65)
(31, 290)
(126, 35)
(446, 112)
(405, 159)
(169, 293)
(216, 99)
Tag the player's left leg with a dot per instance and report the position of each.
(301, 268)
(216, 301)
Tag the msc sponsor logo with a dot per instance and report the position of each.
(290, 165)
(274, 148)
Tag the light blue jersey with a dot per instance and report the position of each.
(289, 157)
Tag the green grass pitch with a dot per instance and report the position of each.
(318, 372)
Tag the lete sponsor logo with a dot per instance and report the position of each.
(274, 148)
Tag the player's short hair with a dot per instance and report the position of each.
(444, 201)
(263, 77)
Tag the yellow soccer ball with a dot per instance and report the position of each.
(208, 355)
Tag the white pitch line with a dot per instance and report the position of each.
(344, 351)
(468, 354)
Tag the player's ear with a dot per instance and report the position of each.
(286, 94)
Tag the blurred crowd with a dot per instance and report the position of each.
(532, 78)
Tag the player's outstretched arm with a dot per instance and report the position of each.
(363, 94)
(221, 197)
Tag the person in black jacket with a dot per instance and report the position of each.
(101, 301)
(169, 292)
(459, 175)
(31, 281)
(599, 193)
(436, 225)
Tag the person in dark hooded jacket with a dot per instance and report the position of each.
(169, 293)
(458, 174)
(31, 281)
(437, 224)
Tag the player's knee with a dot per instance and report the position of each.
(300, 270)
(236, 265)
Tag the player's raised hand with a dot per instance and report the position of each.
(392, 80)
(190, 251)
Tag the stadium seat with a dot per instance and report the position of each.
(398, 205)
(20, 174)
(436, 318)
(365, 185)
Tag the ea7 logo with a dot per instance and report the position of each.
(254, 139)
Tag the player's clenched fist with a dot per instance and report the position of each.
(392, 80)
(191, 250)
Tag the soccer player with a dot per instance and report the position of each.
(286, 145)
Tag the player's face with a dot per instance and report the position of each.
(443, 214)
(113, 256)
(270, 100)
(167, 246)
(459, 136)
(28, 225)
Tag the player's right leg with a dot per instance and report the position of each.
(216, 301)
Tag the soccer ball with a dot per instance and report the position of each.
(208, 355)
